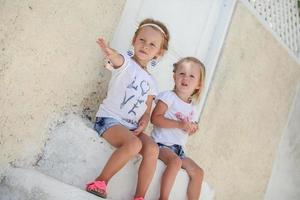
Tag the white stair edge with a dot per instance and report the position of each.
(33, 185)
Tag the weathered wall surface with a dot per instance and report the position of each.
(246, 110)
(285, 179)
(49, 62)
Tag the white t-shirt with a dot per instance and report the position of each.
(177, 110)
(128, 90)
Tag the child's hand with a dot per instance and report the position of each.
(189, 127)
(140, 128)
(142, 124)
(113, 58)
(194, 128)
(108, 52)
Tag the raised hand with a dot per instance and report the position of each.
(114, 59)
(108, 52)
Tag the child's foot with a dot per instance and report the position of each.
(97, 188)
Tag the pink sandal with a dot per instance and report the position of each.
(97, 188)
(138, 198)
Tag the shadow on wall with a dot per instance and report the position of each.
(91, 102)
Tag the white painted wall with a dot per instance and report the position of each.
(197, 28)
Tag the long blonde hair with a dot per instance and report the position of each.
(165, 33)
(195, 97)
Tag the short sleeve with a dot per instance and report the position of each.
(167, 97)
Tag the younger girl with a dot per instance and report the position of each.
(125, 112)
(172, 120)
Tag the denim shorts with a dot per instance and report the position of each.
(104, 123)
(177, 149)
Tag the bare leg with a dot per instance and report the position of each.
(127, 146)
(196, 176)
(173, 164)
(147, 168)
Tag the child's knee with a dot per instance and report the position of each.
(197, 173)
(150, 149)
(175, 162)
(153, 148)
(134, 145)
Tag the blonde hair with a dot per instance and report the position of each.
(157, 25)
(195, 97)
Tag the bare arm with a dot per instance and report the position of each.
(115, 58)
(143, 122)
(158, 119)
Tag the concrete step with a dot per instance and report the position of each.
(29, 184)
(74, 154)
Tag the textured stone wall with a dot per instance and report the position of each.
(246, 111)
(49, 63)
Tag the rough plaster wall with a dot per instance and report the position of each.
(49, 63)
(246, 110)
(285, 179)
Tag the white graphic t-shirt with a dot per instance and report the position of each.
(128, 90)
(177, 110)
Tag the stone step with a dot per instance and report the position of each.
(29, 184)
(74, 154)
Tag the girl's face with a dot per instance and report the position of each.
(147, 45)
(187, 78)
